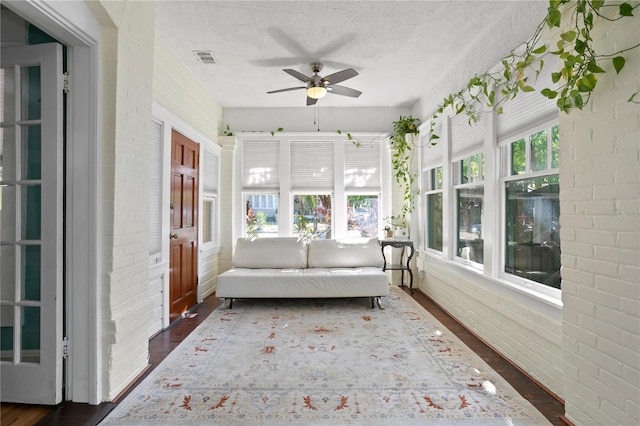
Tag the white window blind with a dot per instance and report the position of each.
(362, 166)
(432, 154)
(261, 164)
(312, 165)
(155, 189)
(465, 137)
(210, 173)
(529, 109)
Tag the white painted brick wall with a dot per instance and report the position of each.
(131, 53)
(175, 88)
(529, 335)
(600, 193)
(127, 75)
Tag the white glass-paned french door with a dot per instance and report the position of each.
(31, 181)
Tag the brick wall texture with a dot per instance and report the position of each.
(600, 208)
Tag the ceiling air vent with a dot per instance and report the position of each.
(205, 56)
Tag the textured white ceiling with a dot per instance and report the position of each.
(403, 50)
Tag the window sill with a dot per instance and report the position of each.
(445, 268)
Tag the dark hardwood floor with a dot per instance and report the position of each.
(163, 343)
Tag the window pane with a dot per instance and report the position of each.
(476, 168)
(312, 217)
(207, 220)
(8, 157)
(434, 221)
(555, 147)
(30, 334)
(155, 190)
(439, 177)
(31, 152)
(518, 159)
(470, 241)
(436, 178)
(539, 150)
(362, 216)
(533, 230)
(464, 171)
(261, 221)
(30, 93)
(7, 272)
(8, 95)
(31, 212)
(31, 272)
(6, 332)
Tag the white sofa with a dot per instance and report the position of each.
(287, 268)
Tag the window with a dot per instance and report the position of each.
(209, 207)
(313, 185)
(155, 193)
(210, 177)
(490, 191)
(261, 215)
(434, 209)
(432, 183)
(260, 182)
(362, 216)
(312, 180)
(312, 216)
(470, 200)
(532, 208)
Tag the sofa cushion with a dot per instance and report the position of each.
(344, 254)
(303, 282)
(282, 252)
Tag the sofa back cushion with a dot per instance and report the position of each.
(344, 254)
(271, 253)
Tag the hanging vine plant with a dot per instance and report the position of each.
(576, 78)
(403, 150)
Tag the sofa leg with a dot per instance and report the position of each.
(377, 300)
(230, 303)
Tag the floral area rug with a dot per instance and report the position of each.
(329, 361)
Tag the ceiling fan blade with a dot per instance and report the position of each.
(296, 74)
(311, 101)
(286, 90)
(340, 76)
(344, 91)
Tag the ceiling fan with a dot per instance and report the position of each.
(317, 86)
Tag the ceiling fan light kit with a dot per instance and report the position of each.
(317, 87)
(316, 92)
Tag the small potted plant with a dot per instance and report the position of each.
(388, 232)
(398, 226)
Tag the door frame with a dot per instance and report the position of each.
(74, 25)
(169, 121)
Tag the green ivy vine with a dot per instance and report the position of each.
(576, 78)
(403, 150)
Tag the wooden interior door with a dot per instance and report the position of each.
(183, 277)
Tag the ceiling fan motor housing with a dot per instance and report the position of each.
(316, 67)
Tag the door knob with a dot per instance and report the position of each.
(173, 236)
